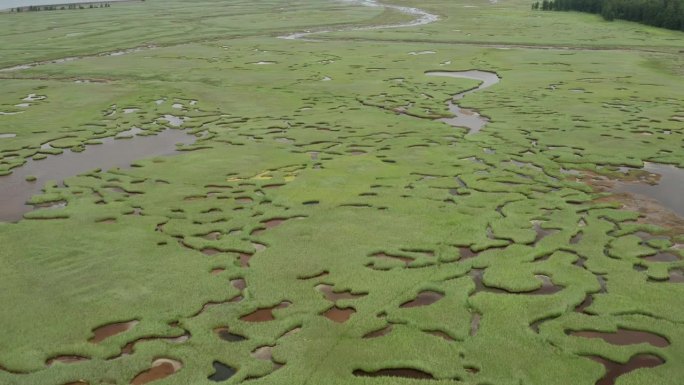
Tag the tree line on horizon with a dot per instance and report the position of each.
(659, 13)
(36, 8)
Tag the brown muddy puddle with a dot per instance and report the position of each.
(15, 191)
(109, 330)
(161, 368)
(212, 304)
(129, 348)
(389, 257)
(463, 117)
(264, 314)
(615, 370)
(424, 298)
(339, 315)
(379, 333)
(270, 223)
(400, 372)
(589, 298)
(222, 372)
(440, 334)
(467, 253)
(662, 257)
(264, 353)
(67, 359)
(244, 259)
(331, 295)
(582, 307)
(547, 287)
(542, 232)
(675, 276)
(239, 283)
(210, 251)
(624, 337)
(322, 274)
(225, 334)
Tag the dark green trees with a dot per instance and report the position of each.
(660, 13)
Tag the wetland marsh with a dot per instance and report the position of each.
(340, 192)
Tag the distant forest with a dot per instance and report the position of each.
(660, 13)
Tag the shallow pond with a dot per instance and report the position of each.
(15, 191)
(669, 190)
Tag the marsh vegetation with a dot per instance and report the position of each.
(340, 192)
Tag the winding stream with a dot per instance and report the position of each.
(464, 117)
(422, 18)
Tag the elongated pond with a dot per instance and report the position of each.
(15, 190)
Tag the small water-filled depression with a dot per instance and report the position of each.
(614, 369)
(463, 117)
(264, 314)
(625, 337)
(103, 332)
(334, 296)
(225, 334)
(654, 191)
(15, 190)
(161, 368)
(667, 190)
(222, 372)
(401, 372)
(424, 298)
(71, 359)
(379, 333)
(339, 315)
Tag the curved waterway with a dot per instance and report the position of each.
(464, 117)
(72, 58)
(15, 190)
(422, 18)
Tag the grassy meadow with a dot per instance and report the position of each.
(320, 163)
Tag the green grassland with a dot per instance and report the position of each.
(314, 138)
